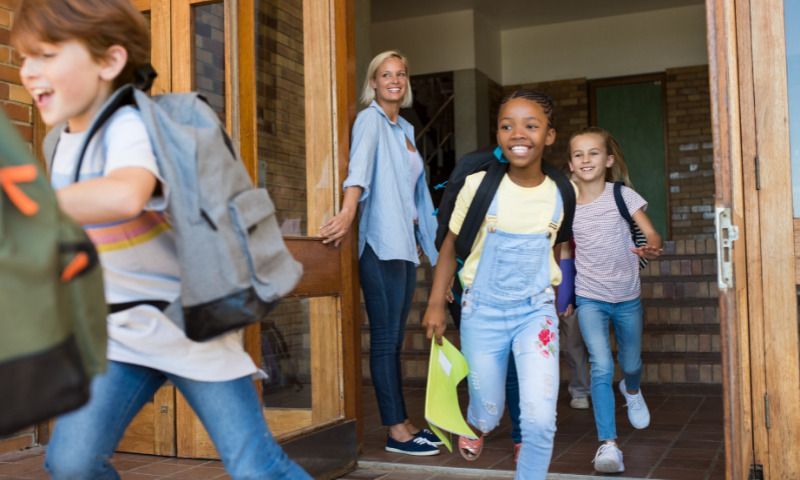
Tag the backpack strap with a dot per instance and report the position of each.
(623, 209)
(478, 208)
(567, 192)
(123, 96)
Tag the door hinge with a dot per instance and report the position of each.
(726, 232)
(766, 410)
(758, 172)
(756, 472)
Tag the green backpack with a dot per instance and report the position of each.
(53, 322)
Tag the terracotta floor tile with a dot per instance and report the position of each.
(197, 473)
(665, 473)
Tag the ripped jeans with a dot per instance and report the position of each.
(529, 330)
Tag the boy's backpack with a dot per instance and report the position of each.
(234, 265)
(636, 233)
(53, 325)
(491, 161)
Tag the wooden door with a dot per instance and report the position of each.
(754, 167)
(248, 58)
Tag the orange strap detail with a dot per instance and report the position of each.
(10, 177)
(76, 266)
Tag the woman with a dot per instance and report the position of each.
(386, 181)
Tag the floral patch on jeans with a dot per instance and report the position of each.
(547, 339)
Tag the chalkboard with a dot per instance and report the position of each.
(634, 114)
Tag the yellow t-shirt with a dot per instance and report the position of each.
(519, 210)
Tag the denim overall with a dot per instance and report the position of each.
(510, 308)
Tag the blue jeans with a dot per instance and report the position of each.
(594, 317)
(388, 287)
(84, 440)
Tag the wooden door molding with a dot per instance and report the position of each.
(733, 303)
(781, 350)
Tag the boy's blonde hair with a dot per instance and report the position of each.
(619, 169)
(368, 93)
(97, 24)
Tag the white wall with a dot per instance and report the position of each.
(434, 43)
(488, 48)
(605, 47)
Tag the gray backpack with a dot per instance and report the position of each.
(234, 264)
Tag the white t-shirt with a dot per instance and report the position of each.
(606, 269)
(139, 262)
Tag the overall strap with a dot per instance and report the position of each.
(557, 210)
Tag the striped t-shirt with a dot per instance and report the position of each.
(606, 268)
(140, 262)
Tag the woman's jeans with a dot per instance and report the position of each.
(388, 287)
(84, 440)
(594, 317)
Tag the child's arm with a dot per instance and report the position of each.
(435, 320)
(653, 247)
(121, 194)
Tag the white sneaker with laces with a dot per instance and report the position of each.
(579, 403)
(608, 459)
(638, 414)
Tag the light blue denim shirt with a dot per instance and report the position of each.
(379, 164)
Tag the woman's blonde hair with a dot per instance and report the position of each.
(619, 169)
(368, 93)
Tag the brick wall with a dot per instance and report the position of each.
(17, 105)
(690, 152)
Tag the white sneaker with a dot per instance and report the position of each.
(638, 414)
(579, 403)
(608, 459)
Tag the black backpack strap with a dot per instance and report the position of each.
(478, 208)
(567, 196)
(123, 96)
(623, 209)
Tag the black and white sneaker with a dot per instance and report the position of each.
(429, 436)
(417, 446)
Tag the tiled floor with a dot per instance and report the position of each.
(683, 442)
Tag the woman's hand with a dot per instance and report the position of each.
(434, 322)
(337, 227)
(568, 312)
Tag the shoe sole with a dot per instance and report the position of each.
(415, 454)
(608, 467)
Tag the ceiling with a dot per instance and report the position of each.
(506, 14)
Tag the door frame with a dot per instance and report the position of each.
(746, 49)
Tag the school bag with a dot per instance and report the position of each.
(491, 161)
(636, 233)
(234, 264)
(53, 325)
